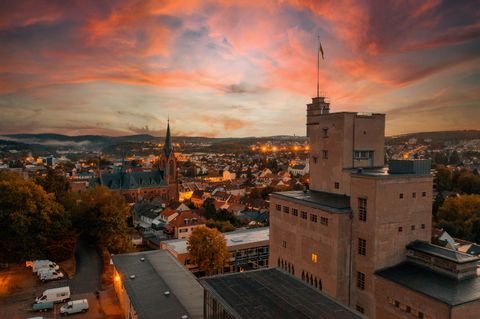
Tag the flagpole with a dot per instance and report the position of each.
(318, 68)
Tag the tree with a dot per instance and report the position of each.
(460, 216)
(210, 210)
(30, 219)
(54, 182)
(208, 249)
(101, 215)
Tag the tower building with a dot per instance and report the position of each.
(362, 223)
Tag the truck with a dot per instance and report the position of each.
(51, 275)
(40, 264)
(40, 307)
(74, 306)
(61, 294)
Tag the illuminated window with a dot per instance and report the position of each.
(362, 209)
(314, 258)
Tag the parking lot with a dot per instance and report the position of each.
(19, 287)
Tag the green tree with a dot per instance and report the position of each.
(101, 215)
(460, 216)
(207, 248)
(54, 182)
(210, 210)
(30, 219)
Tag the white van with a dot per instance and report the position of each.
(51, 275)
(74, 306)
(41, 264)
(61, 294)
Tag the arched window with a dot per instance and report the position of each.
(293, 270)
(316, 282)
(320, 284)
(289, 268)
(278, 262)
(311, 280)
(303, 275)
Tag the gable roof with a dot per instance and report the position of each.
(132, 180)
(179, 221)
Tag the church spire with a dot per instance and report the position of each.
(168, 146)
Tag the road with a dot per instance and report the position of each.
(89, 269)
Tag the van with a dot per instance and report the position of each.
(61, 294)
(51, 275)
(74, 306)
(41, 264)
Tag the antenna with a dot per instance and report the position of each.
(320, 50)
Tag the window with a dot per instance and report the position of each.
(397, 303)
(362, 209)
(414, 195)
(413, 227)
(315, 159)
(400, 229)
(337, 185)
(360, 280)
(284, 243)
(313, 218)
(362, 155)
(183, 230)
(314, 258)
(420, 315)
(401, 195)
(423, 226)
(325, 132)
(325, 154)
(424, 194)
(324, 221)
(286, 210)
(362, 246)
(360, 309)
(304, 215)
(278, 207)
(294, 212)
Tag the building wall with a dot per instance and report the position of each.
(185, 231)
(294, 240)
(127, 307)
(469, 310)
(387, 213)
(387, 293)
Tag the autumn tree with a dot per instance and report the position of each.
(54, 181)
(460, 216)
(101, 215)
(208, 249)
(30, 219)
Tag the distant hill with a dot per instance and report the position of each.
(435, 138)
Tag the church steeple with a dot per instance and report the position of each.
(168, 146)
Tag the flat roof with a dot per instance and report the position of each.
(235, 238)
(271, 293)
(330, 202)
(432, 284)
(442, 252)
(159, 272)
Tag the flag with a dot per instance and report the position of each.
(320, 49)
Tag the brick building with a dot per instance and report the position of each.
(357, 220)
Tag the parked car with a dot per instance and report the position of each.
(40, 307)
(74, 306)
(61, 294)
(52, 275)
(41, 264)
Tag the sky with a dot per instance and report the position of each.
(235, 68)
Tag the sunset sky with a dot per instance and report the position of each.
(235, 68)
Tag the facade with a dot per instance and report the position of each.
(248, 250)
(358, 216)
(182, 225)
(160, 182)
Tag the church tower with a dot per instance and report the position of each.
(168, 164)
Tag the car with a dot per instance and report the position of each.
(74, 306)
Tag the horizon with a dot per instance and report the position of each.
(234, 70)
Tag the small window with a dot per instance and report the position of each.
(315, 159)
(313, 218)
(401, 195)
(324, 221)
(362, 246)
(414, 195)
(279, 207)
(325, 154)
(362, 209)
(286, 210)
(337, 185)
(397, 303)
(413, 227)
(424, 194)
(304, 215)
(314, 258)
(325, 132)
(360, 309)
(400, 229)
(294, 212)
(360, 280)
(284, 244)
(423, 226)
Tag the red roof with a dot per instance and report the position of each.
(187, 218)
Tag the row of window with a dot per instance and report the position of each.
(414, 195)
(313, 281)
(414, 312)
(286, 266)
(412, 227)
(303, 214)
(362, 207)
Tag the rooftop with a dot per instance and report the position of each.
(271, 293)
(430, 283)
(445, 253)
(159, 272)
(330, 202)
(235, 238)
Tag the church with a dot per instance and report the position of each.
(160, 182)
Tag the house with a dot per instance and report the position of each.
(184, 223)
(144, 213)
(167, 215)
(197, 198)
